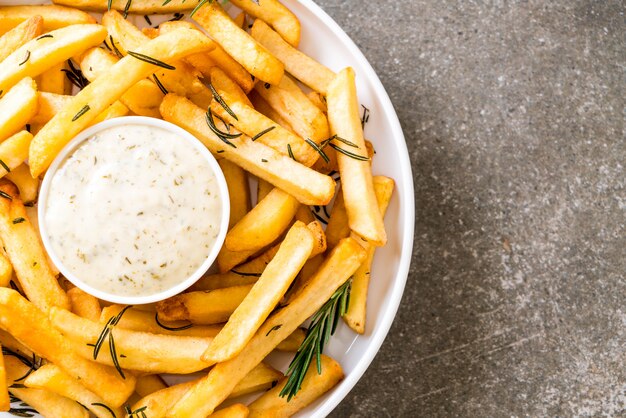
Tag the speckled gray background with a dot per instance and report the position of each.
(514, 116)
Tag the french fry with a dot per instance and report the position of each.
(237, 410)
(240, 20)
(50, 104)
(293, 341)
(84, 305)
(276, 15)
(314, 385)
(212, 389)
(338, 227)
(53, 379)
(145, 352)
(182, 80)
(265, 109)
(238, 191)
(142, 7)
(144, 98)
(26, 253)
(12, 151)
(291, 103)
(222, 82)
(264, 295)
(116, 110)
(19, 35)
(105, 90)
(263, 129)
(224, 280)
(17, 107)
(9, 342)
(263, 189)
(305, 215)
(32, 327)
(204, 62)
(357, 188)
(5, 403)
(356, 314)
(205, 308)
(264, 223)
(50, 404)
(6, 270)
(227, 259)
(37, 56)
(143, 321)
(298, 64)
(237, 43)
(54, 17)
(306, 185)
(260, 378)
(54, 80)
(148, 384)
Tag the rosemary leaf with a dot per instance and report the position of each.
(263, 132)
(5, 194)
(105, 407)
(81, 112)
(246, 274)
(18, 221)
(200, 4)
(126, 8)
(222, 135)
(290, 152)
(47, 35)
(5, 166)
(159, 323)
(221, 101)
(26, 58)
(348, 153)
(318, 149)
(159, 84)
(150, 60)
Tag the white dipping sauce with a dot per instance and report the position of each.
(133, 211)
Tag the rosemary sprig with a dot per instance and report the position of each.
(5, 195)
(109, 5)
(81, 112)
(5, 166)
(263, 132)
(47, 35)
(348, 153)
(290, 152)
(147, 19)
(323, 325)
(126, 8)
(18, 221)
(221, 101)
(200, 4)
(75, 75)
(224, 136)
(32, 364)
(139, 412)
(106, 332)
(366, 116)
(24, 409)
(159, 84)
(113, 47)
(159, 323)
(319, 150)
(105, 407)
(150, 60)
(241, 273)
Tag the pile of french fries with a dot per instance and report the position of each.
(265, 110)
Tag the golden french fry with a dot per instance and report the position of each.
(9, 342)
(223, 82)
(116, 110)
(5, 403)
(356, 314)
(264, 295)
(33, 328)
(238, 44)
(314, 385)
(357, 186)
(146, 352)
(240, 20)
(6, 270)
(14, 151)
(54, 80)
(204, 62)
(17, 107)
(83, 304)
(264, 223)
(207, 308)
(227, 259)
(306, 185)
(305, 215)
(260, 378)
(50, 377)
(338, 227)
(54, 17)
(298, 64)
(291, 103)
(19, 35)
(263, 129)
(105, 90)
(238, 191)
(237, 410)
(137, 320)
(50, 104)
(26, 253)
(293, 341)
(318, 100)
(41, 54)
(224, 280)
(135, 6)
(263, 189)
(149, 384)
(50, 404)
(211, 390)
(265, 109)
(182, 80)
(276, 15)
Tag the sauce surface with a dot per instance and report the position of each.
(133, 211)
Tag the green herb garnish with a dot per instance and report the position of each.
(274, 328)
(200, 4)
(159, 84)
(75, 75)
(159, 323)
(105, 407)
(126, 8)
(26, 57)
(290, 152)
(318, 150)
(246, 274)
(18, 221)
(263, 132)
(45, 36)
(150, 60)
(139, 412)
(106, 332)
(348, 153)
(224, 136)
(5, 195)
(221, 101)
(81, 112)
(5, 166)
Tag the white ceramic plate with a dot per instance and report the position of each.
(324, 40)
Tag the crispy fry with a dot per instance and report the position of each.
(50, 404)
(264, 295)
(237, 410)
(135, 6)
(291, 103)
(83, 304)
(264, 223)
(238, 44)
(223, 83)
(318, 100)
(54, 80)
(305, 215)
(8, 341)
(52, 378)
(19, 35)
(5, 403)
(276, 15)
(293, 341)
(227, 259)
(356, 175)
(211, 390)
(238, 191)
(263, 189)
(356, 313)
(298, 64)
(14, 151)
(6, 270)
(338, 227)
(17, 107)
(54, 17)
(260, 378)
(143, 321)
(314, 385)
(151, 353)
(103, 91)
(116, 110)
(265, 109)
(240, 20)
(50, 104)
(31, 326)
(26, 253)
(203, 307)
(224, 280)
(306, 185)
(149, 384)
(37, 56)
(182, 80)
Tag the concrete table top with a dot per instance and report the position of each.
(513, 112)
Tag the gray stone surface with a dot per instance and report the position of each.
(514, 116)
